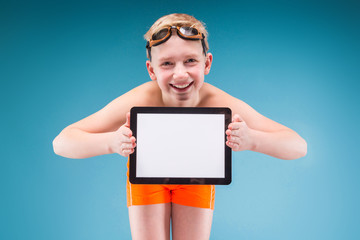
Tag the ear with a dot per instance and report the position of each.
(150, 70)
(208, 62)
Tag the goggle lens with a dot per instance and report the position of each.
(189, 31)
(160, 35)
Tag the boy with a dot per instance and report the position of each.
(177, 49)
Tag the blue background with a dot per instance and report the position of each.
(296, 62)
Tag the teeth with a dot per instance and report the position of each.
(182, 86)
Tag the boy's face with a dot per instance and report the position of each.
(179, 67)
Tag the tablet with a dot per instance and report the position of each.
(180, 145)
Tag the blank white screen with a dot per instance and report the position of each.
(180, 145)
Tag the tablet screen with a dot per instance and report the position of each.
(180, 146)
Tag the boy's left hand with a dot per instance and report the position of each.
(238, 135)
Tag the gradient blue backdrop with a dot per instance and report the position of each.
(296, 62)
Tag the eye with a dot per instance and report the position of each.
(191, 60)
(166, 64)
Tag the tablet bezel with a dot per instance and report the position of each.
(186, 180)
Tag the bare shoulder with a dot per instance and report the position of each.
(215, 97)
(113, 115)
(143, 95)
(146, 94)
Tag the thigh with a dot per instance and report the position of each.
(150, 221)
(200, 196)
(191, 222)
(140, 194)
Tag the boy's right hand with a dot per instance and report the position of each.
(124, 142)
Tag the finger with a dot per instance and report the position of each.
(232, 145)
(233, 139)
(237, 118)
(126, 131)
(234, 126)
(125, 139)
(232, 132)
(235, 133)
(127, 124)
(127, 152)
(126, 146)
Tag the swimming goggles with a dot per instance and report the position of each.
(187, 33)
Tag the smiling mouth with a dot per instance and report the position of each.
(181, 86)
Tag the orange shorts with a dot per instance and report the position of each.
(202, 196)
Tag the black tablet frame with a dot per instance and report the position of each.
(183, 181)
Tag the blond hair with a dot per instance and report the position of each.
(178, 20)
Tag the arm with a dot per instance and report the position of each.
(104, 132)
(74, 142)
(250, 130)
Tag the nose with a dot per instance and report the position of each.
(180, 72)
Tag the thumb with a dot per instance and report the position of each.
(127, 124)
(237, 118)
